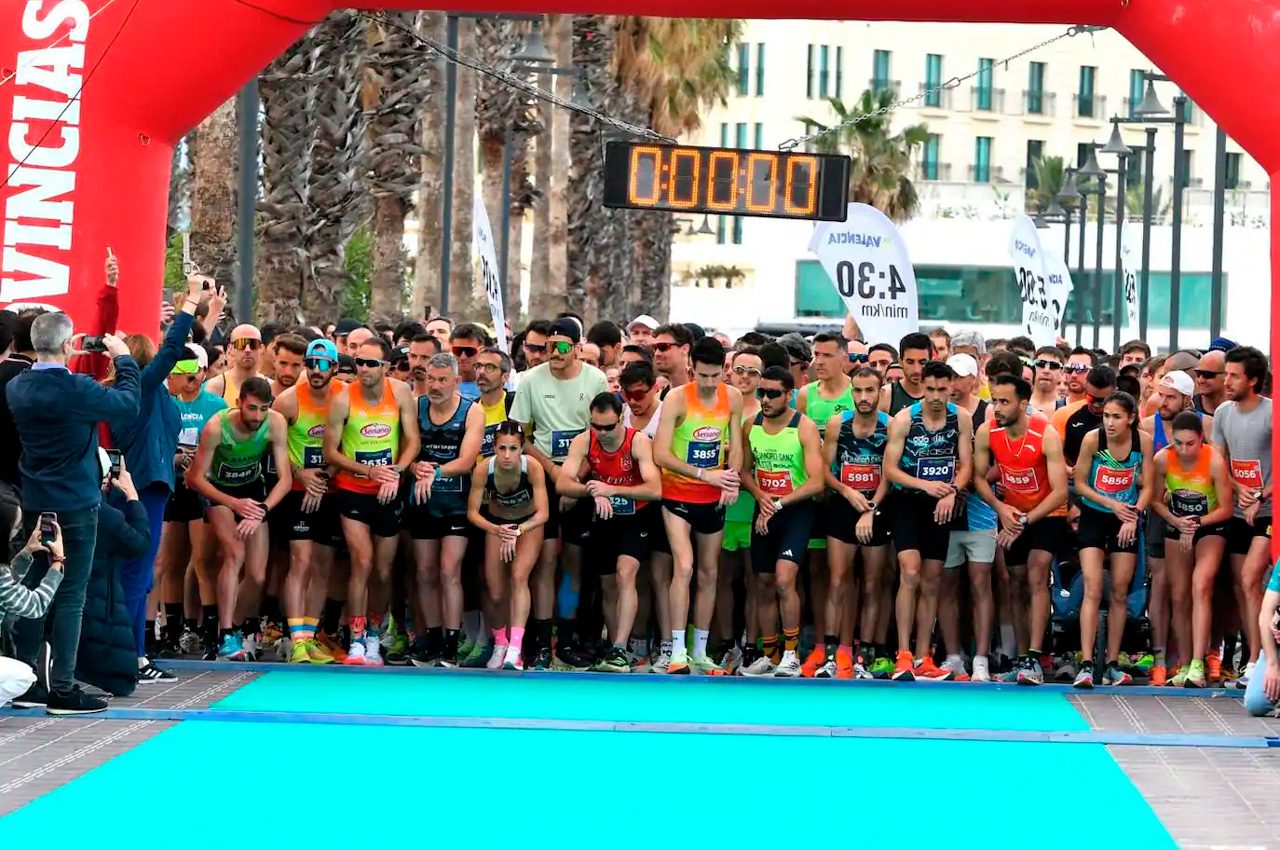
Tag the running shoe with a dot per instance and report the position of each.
(1214, 662)
(1180, 678)
(150, 674)
(189, 643)
(231, 648)
(372, 651)
(759, 668)
(679, 664)
(639, 663)
(1084, 679)
(827, 670)
(731, 660)
(497, 657)
(662, 660)
(514, 660)
(541, 659)
(331, 646)
(981, 669)
(904, 667)
(816, 658)
(396, 650)
(844, 665)
(1029, 672)
(1242, 681)
(479, 657)
(790, 668)
(704, 665)
(250, 645)
(860, 672)
(317, 653)
(881, 668)
(1196, 675)
(1160, 676)
(1065, 670)
(955, 664)
(465, 649)
(1113, 675)
(927, 671)
(571, 658)
(299, 654)
(1144, 663)
(615, 661)
(271, 634)
(355, 654)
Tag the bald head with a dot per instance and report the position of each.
(1180, 361)
(1211, 378)
(246, 332)
(357, 338)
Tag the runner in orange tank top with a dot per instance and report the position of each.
(1030, 505)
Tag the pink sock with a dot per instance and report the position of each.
(517, 637)
(499, 637)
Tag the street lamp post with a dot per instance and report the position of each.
(1148, 187)
(1080, 271)
(1092, 171)
(1115, 145)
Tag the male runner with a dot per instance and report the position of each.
(782, 470)
(227, 472)
(915, 349)
(371, 438)
(1078, 418)
(291, 351)
(929, 459)
(493, 369)
(881, 356)
(450, 433)
(310, 509)
(1048, 375)
(700, 457)
(1033, 485)
(1077, 367)
(640, 391)
(612, 465)
(1243, 434)
(242, 364)
(671, 355)
(941, 342)
(466, 341)
(1210, 374)
(553, 404)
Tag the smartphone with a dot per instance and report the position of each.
(115, 458)
(92, 343)
(48, 527)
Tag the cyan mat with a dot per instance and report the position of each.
(253, 785)
(655, 699)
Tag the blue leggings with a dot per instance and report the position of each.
(137, 575)
(1255, 701)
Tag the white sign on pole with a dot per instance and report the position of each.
(1130, 267)
(866, 261)
(484, 253)
(1058, 285)
(1042, 303)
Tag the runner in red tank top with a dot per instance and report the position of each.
(613, 466)
(1030, 505)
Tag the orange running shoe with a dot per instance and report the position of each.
(904, 667)
(1159, 676)
(844, 665)
(927, 671)
(331, 646)
(816, 659)
(1214, 663)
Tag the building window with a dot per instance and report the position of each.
(824, 69)
(722, 229)
(1233, 171)
(839, 72)
(759, 69)
(1035, 88)
(736, 236)
(744, 69)
(759, 137)
(1083, 149)
(930, 164)
(740, 134)
(986, 80)
(1188, 110)
(1186, 168)
(982, 159)
(1137, 87)
(933, 79)
(1035, 150)
(808, 86)
(880, 71)
(1084, 100)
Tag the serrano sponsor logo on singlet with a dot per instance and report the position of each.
(374, 430)
(1247, 473)
(707, 432)
(316, 430)
(1113, 481)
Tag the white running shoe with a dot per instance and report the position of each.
(981, 669)
(762, 666)
(355, 654)
(789, 668)
(732, 660)
(955, 664)
(497, 658)
(860, 671)
(250, 645)
(514, 659)
(663, 661)
(372, 650)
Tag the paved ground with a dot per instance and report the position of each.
(1206, 798)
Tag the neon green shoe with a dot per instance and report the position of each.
(1195, 675)
(881, 667)
(299, 655)
(465, 649)
(477, 657)
(1180, 678)
(1143, 662)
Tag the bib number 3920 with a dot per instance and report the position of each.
(936, 469)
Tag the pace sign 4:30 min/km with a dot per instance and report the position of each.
(726, 181)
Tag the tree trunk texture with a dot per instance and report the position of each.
(466, 299)
(541, 304)
(560, 43)
(213, 195)
(283, 260)
(426, 283)
(336, 203)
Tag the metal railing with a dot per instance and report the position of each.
(983, 99)
(940, 172)
(935, 100)
(1089, 107)
(880, 85)
(1042, 103)
(993, 172)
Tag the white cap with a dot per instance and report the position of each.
(202, 356)
(963, 365)
(644, 319)
(104, 462)
(1179, 381)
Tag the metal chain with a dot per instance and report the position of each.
(517, 82)
(954, 82)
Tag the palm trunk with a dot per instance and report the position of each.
(387, 282)
(463, 299)
(213, 194)
(560, 43)
(541, 301)
(426, 282)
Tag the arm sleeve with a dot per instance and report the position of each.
(18, 601)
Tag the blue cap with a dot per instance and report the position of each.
(323, 348)
(1222, 344)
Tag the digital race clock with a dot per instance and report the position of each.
(726, 181)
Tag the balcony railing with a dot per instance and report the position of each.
(936, 100)
(1089, 107)
(879, 85)
(994, 172)
(983, 99)
(937, 171)
(1044, 103)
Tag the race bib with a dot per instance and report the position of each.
(1112, 482)
(774, 483)
(1188, 503)
(864, 477)
(622, 505)
(237, 474)
(382, 457)
(269, 463)
(1019, 480)
(936, 469)
(560, 441)
(312, 457)
(705, 455)
(1247, 473)
(189, 438)
(486, 443)
(447, 485)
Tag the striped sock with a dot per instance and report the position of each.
(297, 629)
(356, 625)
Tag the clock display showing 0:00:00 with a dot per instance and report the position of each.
(723, 180)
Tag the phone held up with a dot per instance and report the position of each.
(48, 527)
(116, 458)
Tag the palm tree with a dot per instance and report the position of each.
(1160, 205)
(881, 169)
(465, 302)
(213, 193)
(1049, 177)
(427, 268)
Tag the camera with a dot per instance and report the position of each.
(92, 343)
(48, 527)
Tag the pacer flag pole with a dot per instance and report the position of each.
(1041, 317)
(866, 261)
(483, 253)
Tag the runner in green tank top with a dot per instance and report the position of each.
(227, 472)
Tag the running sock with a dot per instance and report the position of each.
(499, 637)
(300, 629)
(638, 647)
(770, 648)
(517, 638)
(332, 616)
(356, 624)
(271, 609)
(172, 622)
(700, 642)
(451, 640)
(1008, 641)
(566, 629)
(373, 624)
(188, 624)
(790, 640)
(435, 638)
(677, 641)
(541, 634)
(249, 626)
(830, 642)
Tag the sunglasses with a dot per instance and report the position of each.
(562, 347)
(1052, 365)
(763, 393)
(857, 358)
(1207, 374)
(242, 344)
(746, 370)
(369, 363)
(604, 429)
(1076, 368)
(664, 347)
(638, 395)
(535, 349)
(318, 364)
(464, 351)
(402, 366)
(1097, 400)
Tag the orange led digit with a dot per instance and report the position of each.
(801, 171)
(722, 172)
(655, 177)
(760, 189)
(680, 180)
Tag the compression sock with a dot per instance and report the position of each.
(499, 637)
(517, 638)
(790, 640)
(357, 625)
(770, 648)
(677, 641)
(700, 642)
(435, 639)
(172, 623)
(451, 640)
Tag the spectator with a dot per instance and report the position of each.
(149, 441)
(608, 337)
(15, 364)
(57, 415)
(17, 602)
